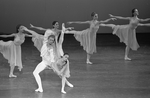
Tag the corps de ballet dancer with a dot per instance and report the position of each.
(87, 38)
(11, 50)
(127, 33)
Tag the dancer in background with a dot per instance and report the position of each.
(127, 33)
(11, 50)
(55, 30)
(50, 59)
(87, 38)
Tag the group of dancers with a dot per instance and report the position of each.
(50, 43)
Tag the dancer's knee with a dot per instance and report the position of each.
(35, 73)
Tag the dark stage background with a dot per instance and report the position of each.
(43, 12)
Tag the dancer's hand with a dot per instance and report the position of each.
(70, 28)
(113, 19)
(31, 26)
(69, 22)
(111, 15)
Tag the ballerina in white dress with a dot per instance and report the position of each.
(11, 50)
(87, 38)
(64, 72)
(127, 33)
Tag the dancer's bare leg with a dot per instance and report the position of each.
(12, 67)
(40, 67)
(65, 81)
(63, 84)
(126, 53)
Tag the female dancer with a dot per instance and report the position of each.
(62, 64)
(39, 39)
(50, 58)
(48, 32)
(55, 30)
(87, 38)
(127, 33)
(11, 50)
(62, 61)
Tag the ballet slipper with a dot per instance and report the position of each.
(88, 62)
(12, 76)
(62, 91)
(127, 59)
(70, 85)
(39, 90)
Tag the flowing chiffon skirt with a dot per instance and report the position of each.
(87, 39)
(127, 35)
(38, 41)
(12, 53)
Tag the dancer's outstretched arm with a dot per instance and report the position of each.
(11, 35)
(39, 28)
(108, 25)
(146, 24)
(79, 22)
(28, 35)
(66, 30)
(104, 21)
(120, 17)
(143, 20)
(69, 28)
(30, 31)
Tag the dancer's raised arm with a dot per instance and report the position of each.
(120, 17)
(39, 28)
(30, 31)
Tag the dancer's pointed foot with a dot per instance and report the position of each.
(127, 59)
(88, 62)
(62, 91)
(12, 76)
(70, 85)
(39, 90)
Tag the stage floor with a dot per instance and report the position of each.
(108, 77)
